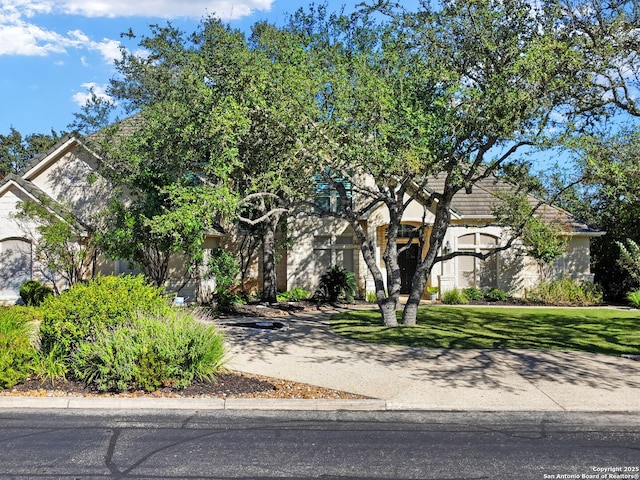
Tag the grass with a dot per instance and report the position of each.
(596, 330)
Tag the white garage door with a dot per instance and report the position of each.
(15, 267)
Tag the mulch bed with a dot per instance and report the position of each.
(227, 385)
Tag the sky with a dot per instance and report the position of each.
(53, 51)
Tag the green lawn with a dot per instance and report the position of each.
(597, 330)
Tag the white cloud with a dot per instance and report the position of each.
(26, 39)
(81, 98)
(20, 35)
(225, 9)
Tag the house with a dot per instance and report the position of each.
(331, 241)
(66, 177)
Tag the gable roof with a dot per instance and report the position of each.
(40, 196)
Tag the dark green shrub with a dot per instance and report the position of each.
(496, 295)
(336, 284)
(295, 295)
(634, 298)
(566, 291)
(33, 293)
(150, 352)
(85, 309)
(223, 266)
(16, 347)
(455, 297)
(473, 293)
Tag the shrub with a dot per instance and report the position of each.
(634, 298)
(473, 293)
(336, 284)
(372, 297)
(455, 297)
(566, 291)
(149, 352)
(496, 295)
(295, 295)
(88, 308)
(16, 349)
(50, 365)
(33, 292)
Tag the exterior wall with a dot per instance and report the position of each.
(320, 243)
(72, 180)
(16, 240)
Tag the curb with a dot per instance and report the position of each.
(69, 403)
(263, 404)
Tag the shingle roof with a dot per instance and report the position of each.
(484, 197)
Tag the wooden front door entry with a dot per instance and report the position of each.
(408, 261)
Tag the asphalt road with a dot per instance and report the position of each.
(50, 444)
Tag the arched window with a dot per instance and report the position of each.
(15, 266)
(473, 271)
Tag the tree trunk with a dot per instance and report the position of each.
(388, 307)
(410, 312)
(269, 281)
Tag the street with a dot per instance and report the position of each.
(54, 444)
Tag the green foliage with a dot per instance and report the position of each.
(566, 291)
(296, 295)
(634, 298)
(629, 259)
(336, 284)
(542, 241)
(223, 266)
(225, 269)
(496, 295)
(16, 348)
(455, 297)
(51, 365)
(473, 293)
(33, 293)
(16, 150)
(66, 246)
(78, 314)
(150, 352)
(372, 297)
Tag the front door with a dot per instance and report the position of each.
(408, 261)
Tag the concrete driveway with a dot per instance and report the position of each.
(437, 379)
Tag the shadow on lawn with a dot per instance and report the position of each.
(309, 343)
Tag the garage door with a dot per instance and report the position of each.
(15, 267)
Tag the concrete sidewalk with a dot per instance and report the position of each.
(438, 379)
(401, 378)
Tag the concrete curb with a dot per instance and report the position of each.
(264, 404)
(128, 403)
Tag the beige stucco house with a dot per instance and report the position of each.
(67, 177)
(329, 241)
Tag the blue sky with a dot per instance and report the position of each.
(53, 51)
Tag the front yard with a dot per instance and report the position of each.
(597, 330)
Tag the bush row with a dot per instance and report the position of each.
(563, 291)
(113, 333)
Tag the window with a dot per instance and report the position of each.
(473, 271)
(327, 197)
(126, 267)
(334, 250)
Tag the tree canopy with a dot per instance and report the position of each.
(388, 109)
